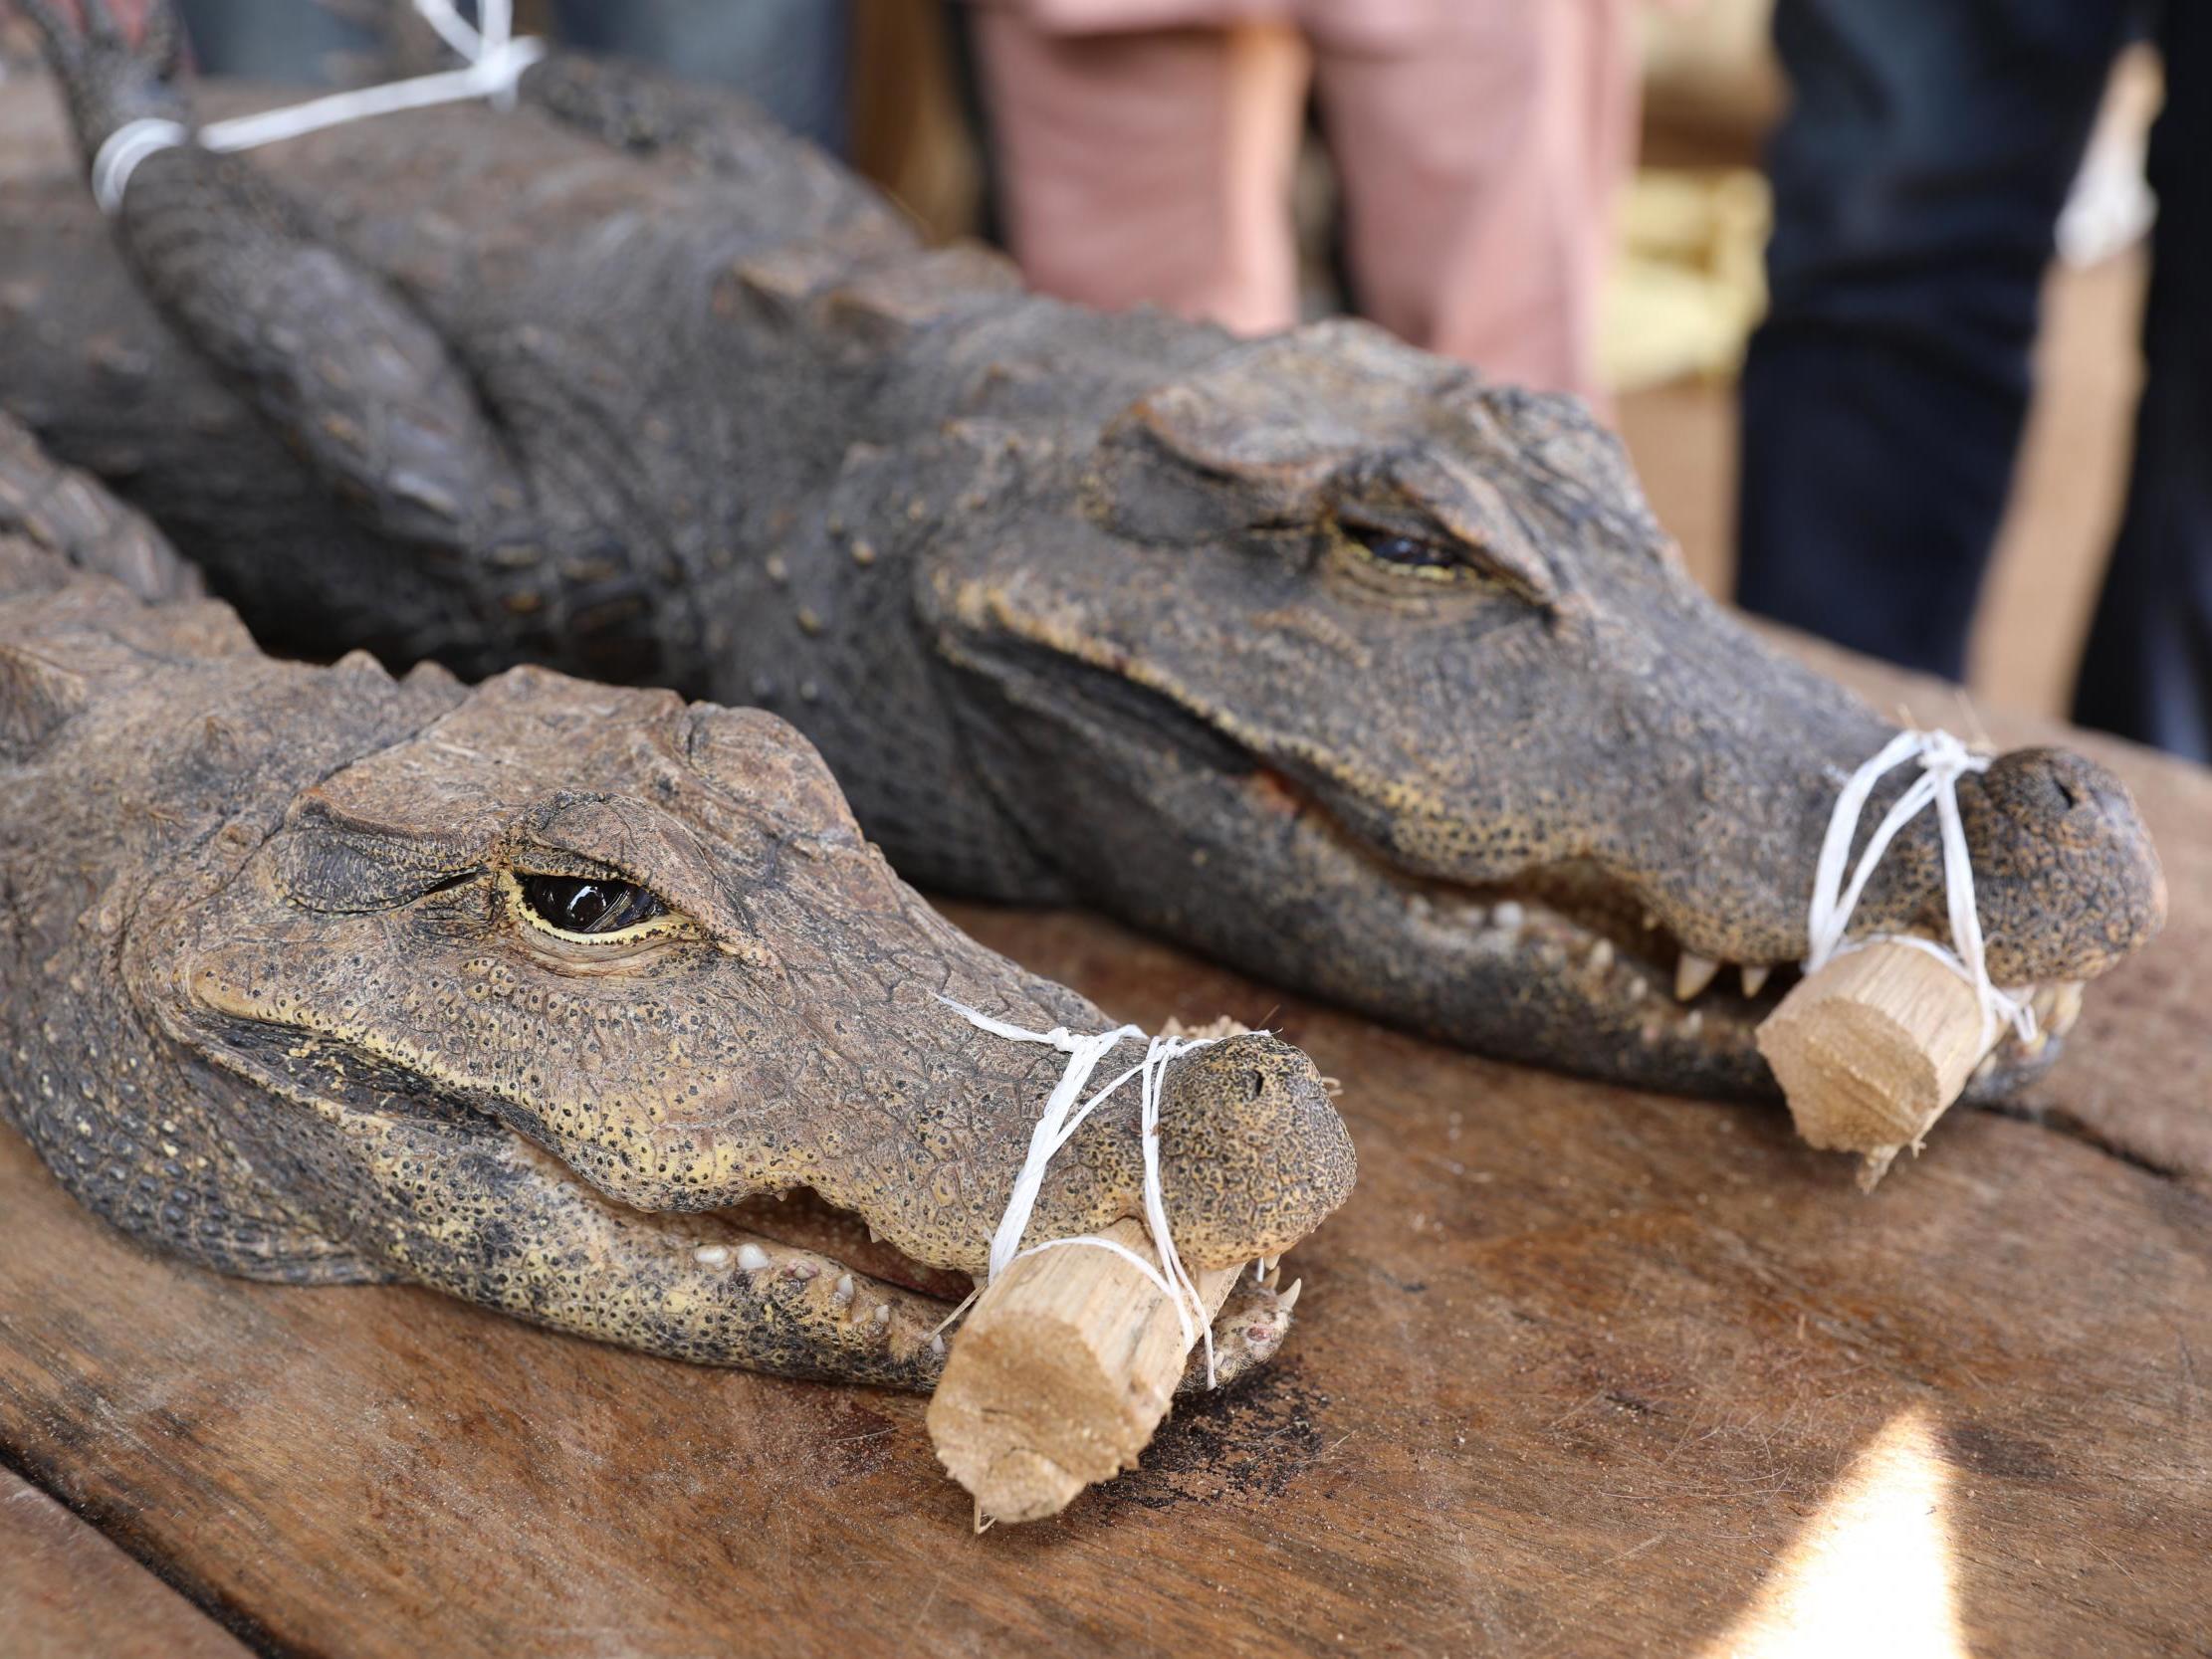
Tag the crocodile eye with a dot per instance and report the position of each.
(588, 903)
(1408, 551)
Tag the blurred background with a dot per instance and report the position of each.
(1598, 183)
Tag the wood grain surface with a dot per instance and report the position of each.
(66, 1591)
(1577, 1371)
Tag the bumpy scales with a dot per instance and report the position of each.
(1315, 653)
(300, 982)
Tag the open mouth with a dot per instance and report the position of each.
(802, 1220)
(1582, 936)
(811, 1236)
(1580, 928)
(799, 1241)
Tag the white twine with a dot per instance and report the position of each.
(1943, 760)
(495, 64)
(1057, 1125)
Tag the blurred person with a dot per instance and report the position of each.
(1146, 149)
(1918, 178)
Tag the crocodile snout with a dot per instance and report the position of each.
(1253, 1154)
(2065, 877)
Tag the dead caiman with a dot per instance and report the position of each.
(1316, 653)
(589, 1005)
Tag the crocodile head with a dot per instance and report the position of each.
(1382, 680)
(596, 1006)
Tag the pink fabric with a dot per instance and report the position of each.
(1122, 185)
(1479, 167)
(1480, 180)
(1347, 25)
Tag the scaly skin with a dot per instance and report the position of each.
(1315, 653)
(272, 996)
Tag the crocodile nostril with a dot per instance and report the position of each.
(1252, 1153)
(2047, 786)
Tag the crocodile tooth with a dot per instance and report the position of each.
(1509, 916)
(937, 1345)
(800, 1271)
(751, 1257)
(1755, 977)
(712, 1255)
(1290, 1297)
(843, 1292)
(2065, 1007)
(1601, 954)
(882, 1315)
(1693, 974)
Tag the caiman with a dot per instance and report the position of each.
(1315, 653)
(587, 1005)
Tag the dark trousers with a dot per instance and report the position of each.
(1917, 179)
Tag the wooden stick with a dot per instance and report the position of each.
(1064, 1368)
(1871, 1050)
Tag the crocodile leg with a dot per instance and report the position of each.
(720, 136)
(89, 529)
(329, 354)
(645, 113)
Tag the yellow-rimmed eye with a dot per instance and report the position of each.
(1415, 554)
(587, 905)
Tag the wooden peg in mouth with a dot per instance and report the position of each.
(1872, 1049)
(1066, 1365)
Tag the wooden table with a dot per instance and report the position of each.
(1577, 1371)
